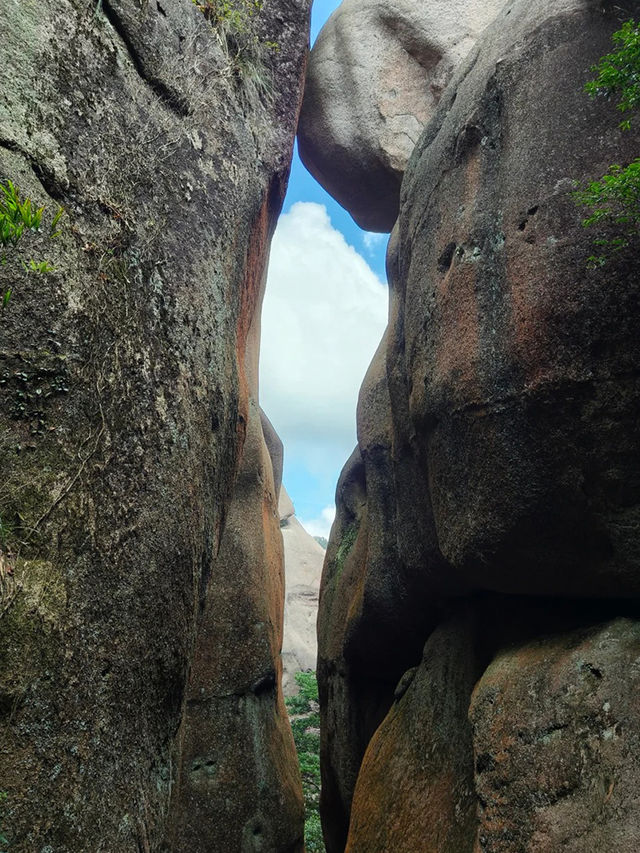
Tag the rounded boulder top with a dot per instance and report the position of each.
(375, 77)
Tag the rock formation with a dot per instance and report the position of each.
(303, 559)
(139, 678)
(376, 74)
(490, 511)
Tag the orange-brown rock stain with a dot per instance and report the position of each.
(250, 297)
(457, 336)
(456, 332)
(531, 308)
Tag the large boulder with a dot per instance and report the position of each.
(375, 607)
(537, 753)
(127, 389)
(556, 740)
(415, 789)
(238, 786)
(376, 74)
(498, 443)
(522, 363)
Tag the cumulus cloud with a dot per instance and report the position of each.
(373, 241)
(324, 313)
(320, 526)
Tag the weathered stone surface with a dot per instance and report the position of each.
(415, 787)
(303, 559)
(556, 735)
(521, 363)
(374, 614)
(353, 702)
(376, 74)
(124, 402)
(506, 455)
(522, 755)
(275, 448)
(238, 787)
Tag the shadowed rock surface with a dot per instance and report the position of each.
(238, 787)
(522, 364)
(556, 742)
(497, 449)
(376, 74)
(418, 768)
(127, 393)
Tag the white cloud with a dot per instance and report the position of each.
(324, 313)
(373, 241)
(321, 526)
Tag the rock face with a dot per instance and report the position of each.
(539, 756)
(556, 734)
(303, 559)
(418, 769)
(523, 363)
(127, 407)
(236, 726)
(498, 454)
(376, 74)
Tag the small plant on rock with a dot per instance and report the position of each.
(614, 199)
(619, 72)
(18, 217)
(236, 24)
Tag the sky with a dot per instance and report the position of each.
(324, 313)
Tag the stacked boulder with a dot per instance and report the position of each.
(376, 75)
(479, 642)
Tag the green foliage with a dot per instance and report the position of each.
(3, 840)
(308, 693)
(236, 23)
(619, 72)
(18, 217)
(305, 724)
(344, 548)
(15, 216)
(234, 15)
(614, 199)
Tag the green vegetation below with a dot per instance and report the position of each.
(304, 712)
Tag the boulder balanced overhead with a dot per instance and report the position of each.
(375, 77)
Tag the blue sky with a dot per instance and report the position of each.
(324, 312)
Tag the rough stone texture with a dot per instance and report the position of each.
(415, 788)
(353, 702)
(303, 559)
(499, 428)
(521, 363)
(374, 615)
(556, 741)
(239, 787)
(376, 74)
(124, 403)
(275, 448)
(540, 756)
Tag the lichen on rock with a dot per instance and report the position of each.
(125, 390)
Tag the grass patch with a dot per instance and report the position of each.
(304, 711)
